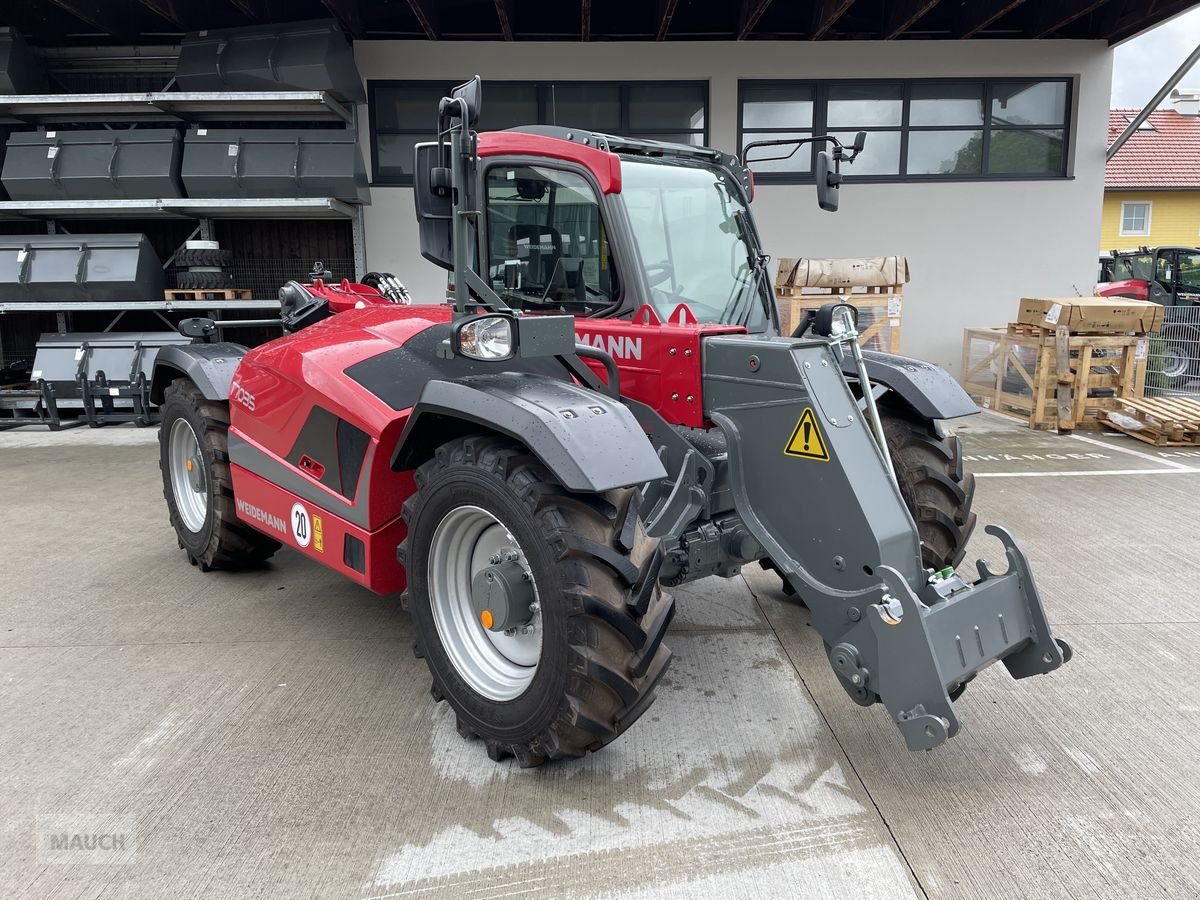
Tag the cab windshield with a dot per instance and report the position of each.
(693, 233)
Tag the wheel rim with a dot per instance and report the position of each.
(498, 665)
(1174, 362)
(188, 481)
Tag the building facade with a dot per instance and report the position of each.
(984, 162)
(1152, 184)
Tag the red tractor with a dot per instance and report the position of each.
(1169, 276)
(605, 410)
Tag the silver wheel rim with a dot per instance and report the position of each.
(498, 665)
(1175, 362)
(189, 483)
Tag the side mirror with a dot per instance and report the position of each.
(471, 93)
(835, 320)
(829, 182)
(860, 141)
(433, 203)
(198, 328)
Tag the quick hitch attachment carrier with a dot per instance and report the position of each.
(927, 649)
(841, 534)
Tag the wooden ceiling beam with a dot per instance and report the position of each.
(504, 12)
(825, 16)
(426, 14)
(666, 12)
(751, 11)
(979, 14)
(101, 16)
(902, 16)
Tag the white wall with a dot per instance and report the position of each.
(974, 248)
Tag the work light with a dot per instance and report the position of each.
(487, 338)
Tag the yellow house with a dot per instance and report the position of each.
(1152, 185)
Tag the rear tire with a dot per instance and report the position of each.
(204, 519)
(601, 616)
(936, 490)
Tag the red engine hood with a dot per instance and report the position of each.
(1132, 288)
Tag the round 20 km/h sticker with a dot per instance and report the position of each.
(301, 525)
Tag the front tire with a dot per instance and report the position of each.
(936, 490)
(587, 667)
(194, 459)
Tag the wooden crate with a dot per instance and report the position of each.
(1163, 421)
(1049, 377)
(212, 294)
(880, 310)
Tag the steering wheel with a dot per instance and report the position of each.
(657, 273)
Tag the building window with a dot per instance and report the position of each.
(1135, 219)
(916, 130)
(404, 113)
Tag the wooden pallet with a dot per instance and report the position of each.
(214, 294)
(879, 310)
(1021, 329)
(1165, 421)
(1052, 380)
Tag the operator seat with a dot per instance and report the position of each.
(539, 247)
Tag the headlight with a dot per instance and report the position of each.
(486, 338)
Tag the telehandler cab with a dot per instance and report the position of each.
(604, 410)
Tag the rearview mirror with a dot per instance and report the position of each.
(433, 206)
(829, 182)
(198, 327)
(471, 93)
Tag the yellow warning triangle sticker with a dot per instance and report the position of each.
(806, 441)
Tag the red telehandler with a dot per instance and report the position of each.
(604, 410)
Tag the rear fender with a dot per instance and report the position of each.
(928, 389)
(589, 441)
(209, 366)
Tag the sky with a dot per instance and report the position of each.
(1143, 64)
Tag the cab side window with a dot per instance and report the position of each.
(547, 246)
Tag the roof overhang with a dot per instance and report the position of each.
(82, 23)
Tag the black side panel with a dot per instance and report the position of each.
(928, 389)
(210, 366)
(590, 441)
(318, 441)
(398, 376)
(352, 444)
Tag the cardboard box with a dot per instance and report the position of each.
(874, 271)
(1101, 315)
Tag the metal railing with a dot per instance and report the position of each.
(1173, 358)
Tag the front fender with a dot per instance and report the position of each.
(590, 442)
(210, 366)
(930, 390)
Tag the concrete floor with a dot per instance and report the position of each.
(271, 733)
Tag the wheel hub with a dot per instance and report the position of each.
(502, 595)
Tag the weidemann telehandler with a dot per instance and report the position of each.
(606, 409)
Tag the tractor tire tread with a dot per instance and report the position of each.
(232, 544)
(929, 469)
(614, 655)
(203, 281)
(203, 257)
